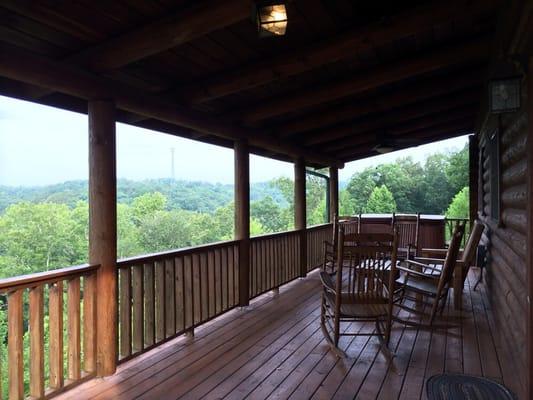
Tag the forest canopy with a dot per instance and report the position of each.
(42, 228)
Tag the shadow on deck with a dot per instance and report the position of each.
(275, 349)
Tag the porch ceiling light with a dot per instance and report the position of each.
(271, 18)
(504, 95)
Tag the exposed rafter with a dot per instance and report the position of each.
(335, 49)
(447, 130)
(168, 32)
(404, 129)
(394, 117)
(467, 52)
(423, 90)
(23, 66)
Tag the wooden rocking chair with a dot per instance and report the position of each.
(466, 259)
(415, 278)
(408, 235)
(359, 290)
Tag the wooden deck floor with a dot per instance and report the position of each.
(275, 349)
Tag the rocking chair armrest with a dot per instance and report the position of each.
(427, 252)
(433, 252)
(416, 263)
(416, 273)
(429, 260)
(327, 282)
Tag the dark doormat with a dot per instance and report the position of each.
(459, 387)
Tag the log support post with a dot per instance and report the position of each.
(300, 212)
(529, 152)
(242, 217)
(103, 229)
(473, 154)
(333, 193)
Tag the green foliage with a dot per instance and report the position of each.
(42, 236)
(380, 201)
(460, 206)
(269, 214)
(146, 205)
(457, 169)
(427, 188)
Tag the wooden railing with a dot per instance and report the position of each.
(274, 261)
(167, 294)
(316, 235)
(450, 225)
(36, 309)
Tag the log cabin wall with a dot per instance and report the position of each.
(506, 236)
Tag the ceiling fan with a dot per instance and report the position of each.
(387, 143)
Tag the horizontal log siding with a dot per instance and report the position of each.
(506, 276)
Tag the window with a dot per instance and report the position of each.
(494, 155)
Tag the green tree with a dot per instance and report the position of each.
(165, 230)
(359, 188)
(437, 189)
(457, 170)
(127, 233)
(38, 237)
(269, 214)
(147, 204)
(460, 205)
(380, 201)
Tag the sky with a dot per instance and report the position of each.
(42, 145)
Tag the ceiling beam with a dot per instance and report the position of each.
(433, 87)
(404, 129)
(395, 116)
(391, 72)
(163, 34)
(23, 66)
(334, 49)
(447, 130)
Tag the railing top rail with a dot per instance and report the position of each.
(319, 226)
(146, 258)
(272, 235)
(40, 278)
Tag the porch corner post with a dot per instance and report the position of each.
(242, 217)
(529, 249)
(103, 229)
(333, 192)
(300, 212)
(473, 154)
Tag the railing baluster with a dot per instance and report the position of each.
(197, 293)
(149, 305)
(179, 292)
(89, 323)
(224, 277)
(218, 283)
(137, 284)
(125, 311)
(188, 292)
(170, 312)
(15, 350)
(55, 305)
(73, 329)
(236, 273)
(36, 325)
(211, 281)
(159, 271)
(204, 283)
(231, 281)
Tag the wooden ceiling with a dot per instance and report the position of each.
(347, 76)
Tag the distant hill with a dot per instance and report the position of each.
(182, 194)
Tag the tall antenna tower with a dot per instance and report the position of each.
(172, 172)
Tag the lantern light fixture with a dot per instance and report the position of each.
(271, 18)
(504, 95)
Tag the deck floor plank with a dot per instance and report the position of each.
(275, 349)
